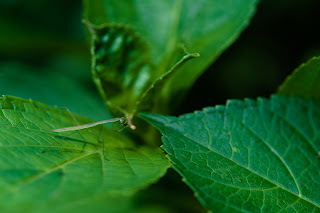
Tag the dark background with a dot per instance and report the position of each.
(281, 36)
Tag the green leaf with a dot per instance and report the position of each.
(123, 71)
(120, 64)
(248, 156)
(43, 171)
(148, 101)
(304, 82)
(207, 27)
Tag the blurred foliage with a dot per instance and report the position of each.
(43, 49)
(45, 40)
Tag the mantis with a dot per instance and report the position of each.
(125, 121)
(89, 125)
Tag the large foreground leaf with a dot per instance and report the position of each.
(248, 156)
(304, 82)
(206, 27)
(43, 171)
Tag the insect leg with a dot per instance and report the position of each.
(99, 136)
(57, 141)
(84, 140)
(75, 120)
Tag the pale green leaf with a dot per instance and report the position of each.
(44, 171)
(248, 156)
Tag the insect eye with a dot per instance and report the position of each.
(125, 123)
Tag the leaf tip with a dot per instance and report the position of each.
(156, 120)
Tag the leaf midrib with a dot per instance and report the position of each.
(42, 146)
(220, 169)
(241, 188)
(265, 178)
(33, 178)
(194, 188)
(269, 147)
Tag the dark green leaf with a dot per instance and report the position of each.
(206, 27)
(121, 66)
(304, 82)
(147, 102)
(44, 171)
(248, 156)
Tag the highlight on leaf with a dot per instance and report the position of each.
(121, 66)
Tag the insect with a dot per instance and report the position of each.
(89, 125)
(125, 121)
